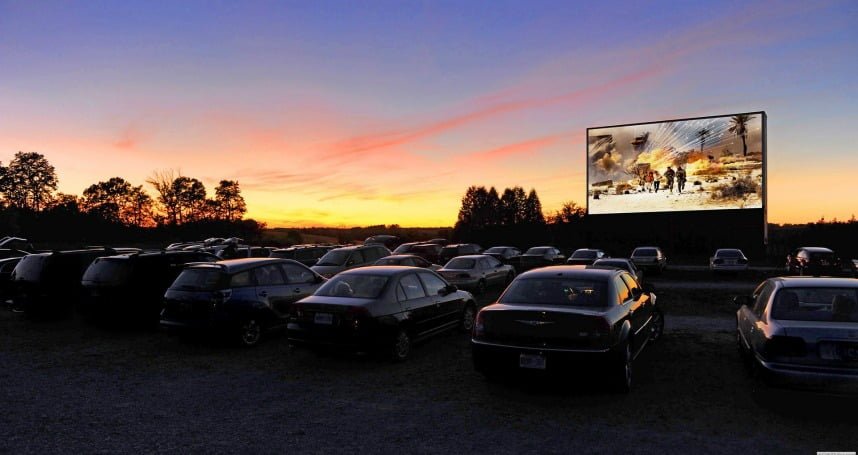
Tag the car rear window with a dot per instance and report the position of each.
(385, 261)
(334, 257)
(556, 291)
(460, 263)
(728, 254)
(584, 254)
(645, 252)
(109, 271)
(496, 249)
(356, 286)
(615, 264)
(200, 279)
(31, 267)
(404, 248)
(816, 304)
(538, 250)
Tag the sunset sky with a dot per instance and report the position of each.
(357, 113)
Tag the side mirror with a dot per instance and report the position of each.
(451, 288)
(743, 300)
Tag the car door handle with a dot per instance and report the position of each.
(263, 293)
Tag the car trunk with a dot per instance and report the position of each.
(833, 344)
(546, 326)
(190, 305)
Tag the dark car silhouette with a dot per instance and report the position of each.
(813, 261)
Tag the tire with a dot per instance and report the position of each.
(657, 327)
(621, 373)
(249, 333)
(468, 317)
(481, 287)
(401, 347)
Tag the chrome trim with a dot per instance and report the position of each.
(536, 348)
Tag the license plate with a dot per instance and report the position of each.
(730, 262)
(532, 361)
(323, 318)
(838, 351)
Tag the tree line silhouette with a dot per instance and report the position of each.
(115, 210)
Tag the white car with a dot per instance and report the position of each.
(728, 260)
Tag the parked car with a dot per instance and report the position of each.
(506, 254)
(307, 255)
(541, 256)
(387, 241)
(381, 309)
(405, 247)
(801, 331)
(6, 288)
(728, 260)
(131, 287)
(243, 298)
(622, 264)
(586, 256)
(349, 257)
(49, 284)
(243, 251)
(429, 251)
(407, 260)
(568, 317)
(814, 261)
(458, 249)
(477, 272)
(649, 258)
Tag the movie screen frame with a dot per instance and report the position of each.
(724, 171)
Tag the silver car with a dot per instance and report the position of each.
(801, 331)
(728, 260)
(477, 272)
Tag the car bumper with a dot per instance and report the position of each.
(729, 268)
(337, 338)
(810, 377)
(491, 356)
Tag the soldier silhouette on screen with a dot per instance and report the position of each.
(680, 178)
(649, 181)
(669, 174)
(656, 181)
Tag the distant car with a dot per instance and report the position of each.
(728, 260)
(131, 287)
(380, 309)
(429, 251)
(458, 249)
(649, 258)
(541, 256)
(438, 241)
(307, 255)
(568, 318)
(49, 284)
(477, 272)
(505, 254)
(801, 331)
(622, 264)
(814, 261)
(388, 241)
(586, 256)
(243, 298)
(244, 251)
(405, 247)
(349, 257)
(408, 260)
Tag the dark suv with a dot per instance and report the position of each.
(458, 249)
(131, 287)
(813, 261)
(242, 297)
(50, 283)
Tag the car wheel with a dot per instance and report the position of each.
(468, 317)
(249, 333)
(401, 346)
(481, 287)
(622, 375)
(656, 326)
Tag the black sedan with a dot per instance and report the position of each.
(568, 317)
(586, 256)
(380, 308)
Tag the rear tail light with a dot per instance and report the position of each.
(479, 325)
(718, 261)
(785, 346)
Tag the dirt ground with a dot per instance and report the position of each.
(66, 386)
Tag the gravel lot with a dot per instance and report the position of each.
(68, 386)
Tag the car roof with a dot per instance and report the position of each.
(384, 270)
(359, 247)
(570, 271)
(638, 247)
(401, 256)
(587, 249)
(472, 256)
(604, 260)
(242, 264)
(815, 281)
(816, 249)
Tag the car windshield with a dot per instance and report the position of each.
(460, 264)
(335, 257)
(356, 286)
(112, 271)
(200, 279)
(645, 252)
(556, 291)
(404, 248)
(387, 261)
(728, 254)
(538, 250)
(615, 264)
(816, 304)
(496, 250)
(31, 267)
(584, 254)
(822, 255)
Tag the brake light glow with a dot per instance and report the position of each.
(479, 325)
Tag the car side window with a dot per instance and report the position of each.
(411, 287)
(622, 290)
(420, 262)
(269, 275)
(492, 262)
(296, 274)
(241, 280)
(432, 283)
(762, 300)
(630, 282)
(356, 258)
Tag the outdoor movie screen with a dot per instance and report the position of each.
(706, 163)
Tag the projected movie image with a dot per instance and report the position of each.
(697, 164)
